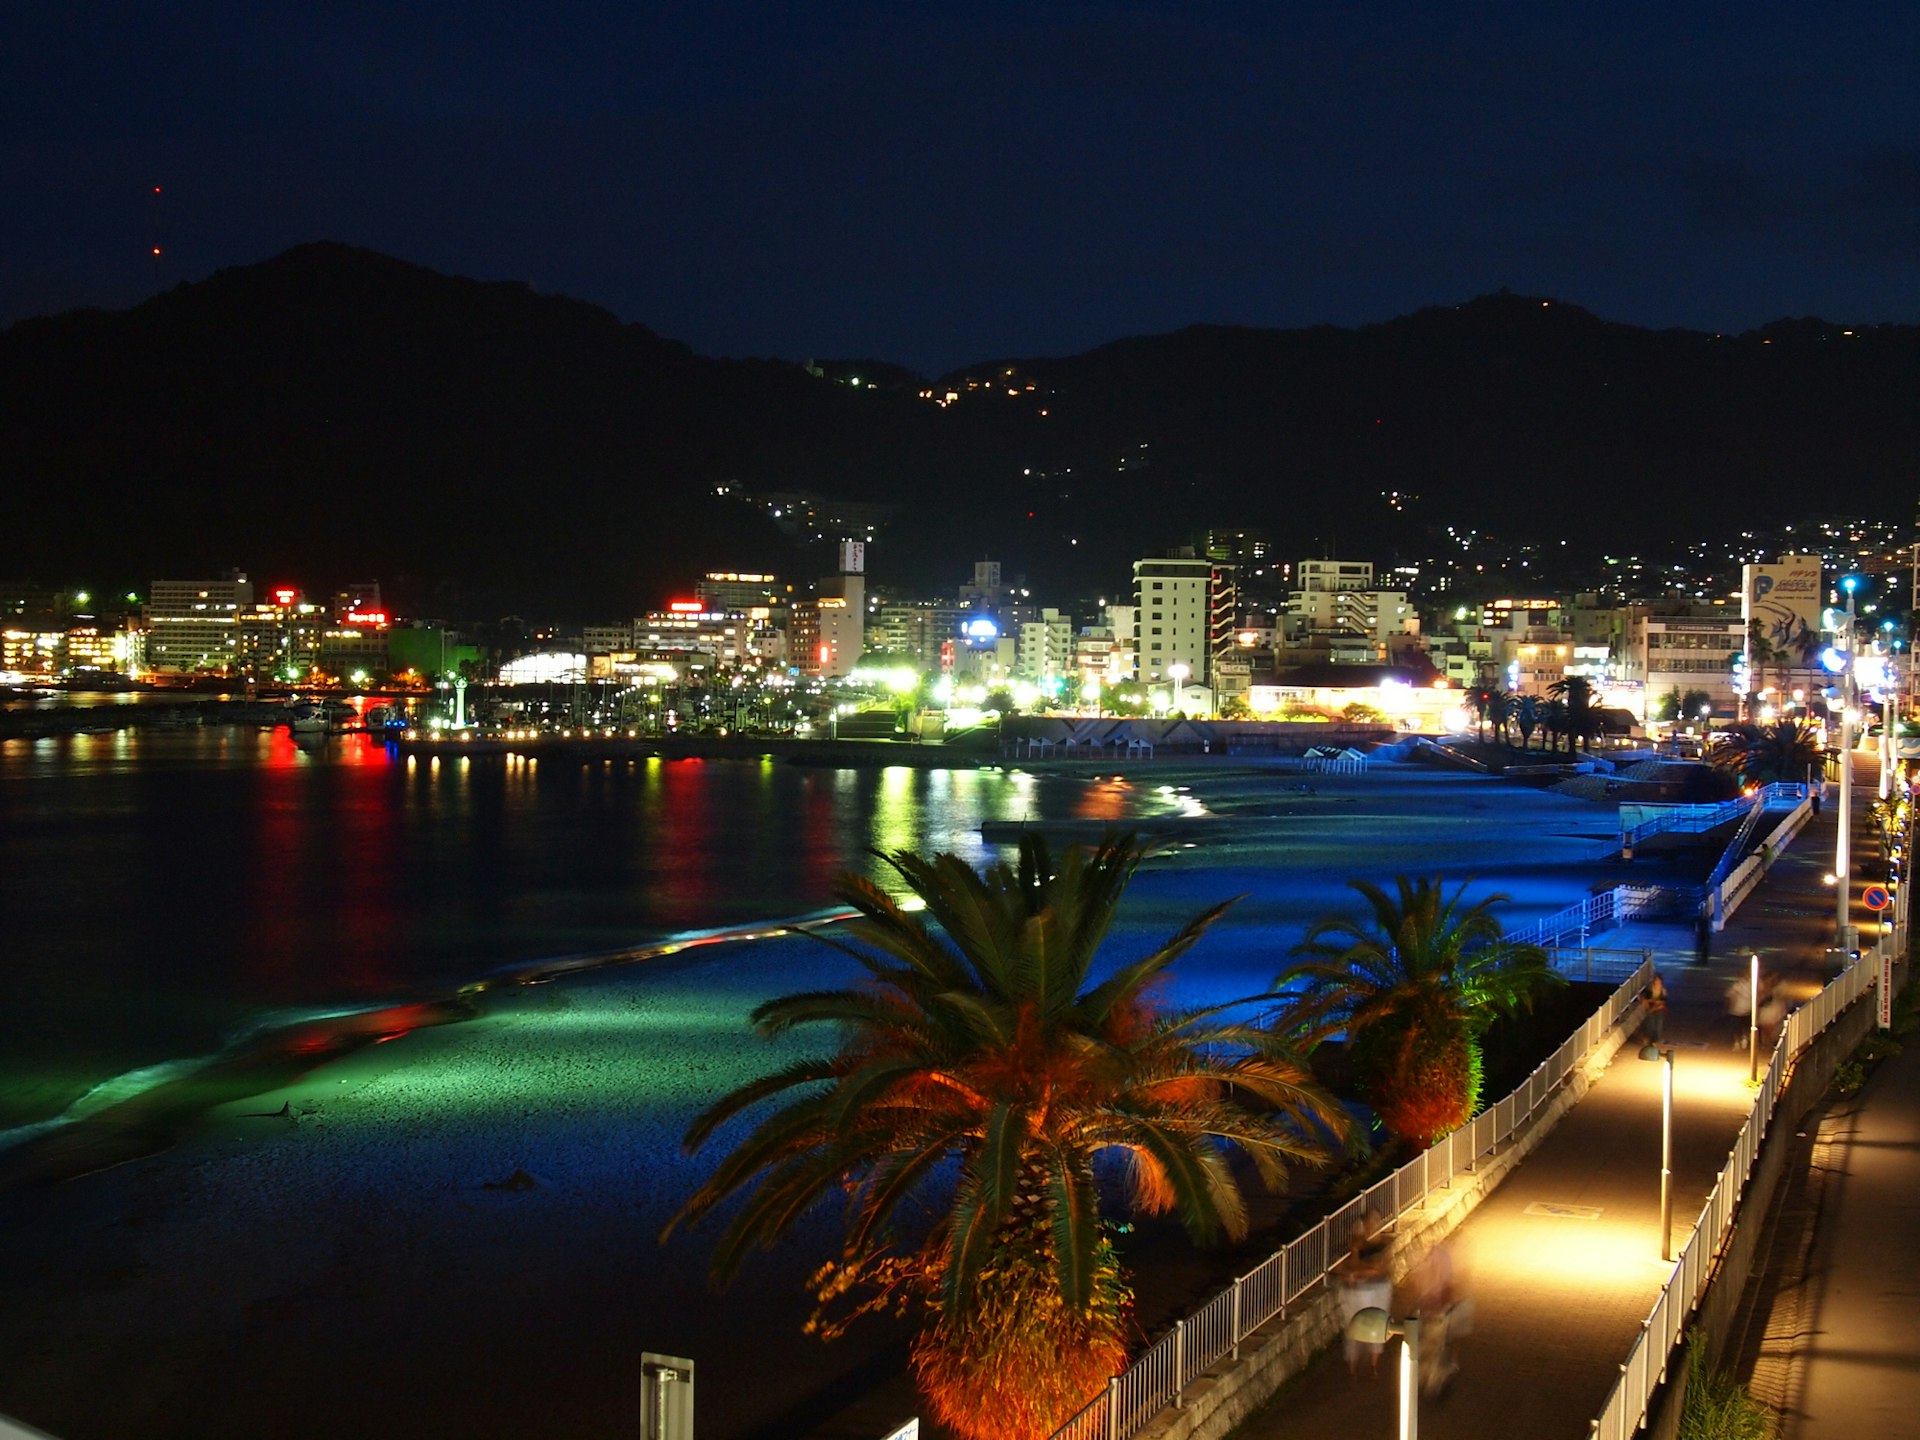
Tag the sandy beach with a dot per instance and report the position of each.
(455, 1232)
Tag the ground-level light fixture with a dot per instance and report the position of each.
(1651, 1051)
(1372, 1326)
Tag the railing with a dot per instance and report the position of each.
(1160, 1376)
(1334, 764)
(1599, 912)
(1689, 819)
(1768, 798)
(1646, 1364)
(1743, 879)
(1592, 963)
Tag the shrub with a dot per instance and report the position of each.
(1716, 1407)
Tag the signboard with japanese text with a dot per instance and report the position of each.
(1781, 604)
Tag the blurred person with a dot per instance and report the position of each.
(1773, 1009)
(1445, 1317)
(1653, 1028)
(1739, 1008)
(1366, 1281)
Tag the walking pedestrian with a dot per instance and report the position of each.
(1773, 1009)
(1739, 1008)
(1445, 1316)
(1653, 1029)
(1366, 1282)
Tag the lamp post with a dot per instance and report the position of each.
(1372, 1326)
(1886, 732)
(1658, 1052)
(1177, 673)
(1753, 1018)
(1843, 884)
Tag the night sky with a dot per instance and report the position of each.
(940, 184)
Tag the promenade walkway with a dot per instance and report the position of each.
(1562, 1261)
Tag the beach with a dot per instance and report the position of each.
(455, 1231)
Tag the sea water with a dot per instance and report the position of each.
(166, 894)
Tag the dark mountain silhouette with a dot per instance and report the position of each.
(334, 413)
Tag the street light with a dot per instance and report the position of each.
(1177, 673)
(1658, 1052)
(1372, 1326)
(1843, 884)
(1753, 1018)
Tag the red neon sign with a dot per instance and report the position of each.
(367, 617)
(685, 607)
(284, 597)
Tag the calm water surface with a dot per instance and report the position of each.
(165, 893)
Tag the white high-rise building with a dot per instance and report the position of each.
(1173, 601)
(192, 625)
(1046, 647)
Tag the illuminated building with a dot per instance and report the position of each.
(354, 649)
(916, 628)
(192, 624)
(88, 647)
(1044, 647)
(34, 654)
(1686, 647)
(357, 604)
(278, 638)
(687, 628)
(1183, 608)
(827, 633)
(1097, 657)
(1337, 602)
(605, 639)
(740, 592)
(1411, 698)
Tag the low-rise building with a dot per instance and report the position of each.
(1684, 647)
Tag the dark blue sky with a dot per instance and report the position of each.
(942, 183)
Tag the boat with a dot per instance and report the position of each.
(309, 720)
(319, 717)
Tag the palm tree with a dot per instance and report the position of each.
(1583, 720)
(1499, 711)
(981, 1069)
(1553, 721)
(1526, 718)
(1479, 698)
(1413, 985)
(1784, 750)
(1761, 653)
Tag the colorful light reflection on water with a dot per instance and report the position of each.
(178, 885)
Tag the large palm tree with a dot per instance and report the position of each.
(1784, 750)
(1413, 984)
(1582, 716)
(1527, 711)
(982, 1068)
(1499, 712)
(1553, 721)
(1479, 698)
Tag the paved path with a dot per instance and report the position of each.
(1856, 1354)
(1563, 1260)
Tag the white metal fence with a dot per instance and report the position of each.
(1334, 764)
(1599, 912)
(1646, 1365)
(1159, 1377)
(1687, 819)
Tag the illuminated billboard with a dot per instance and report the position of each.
(1781, 605)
